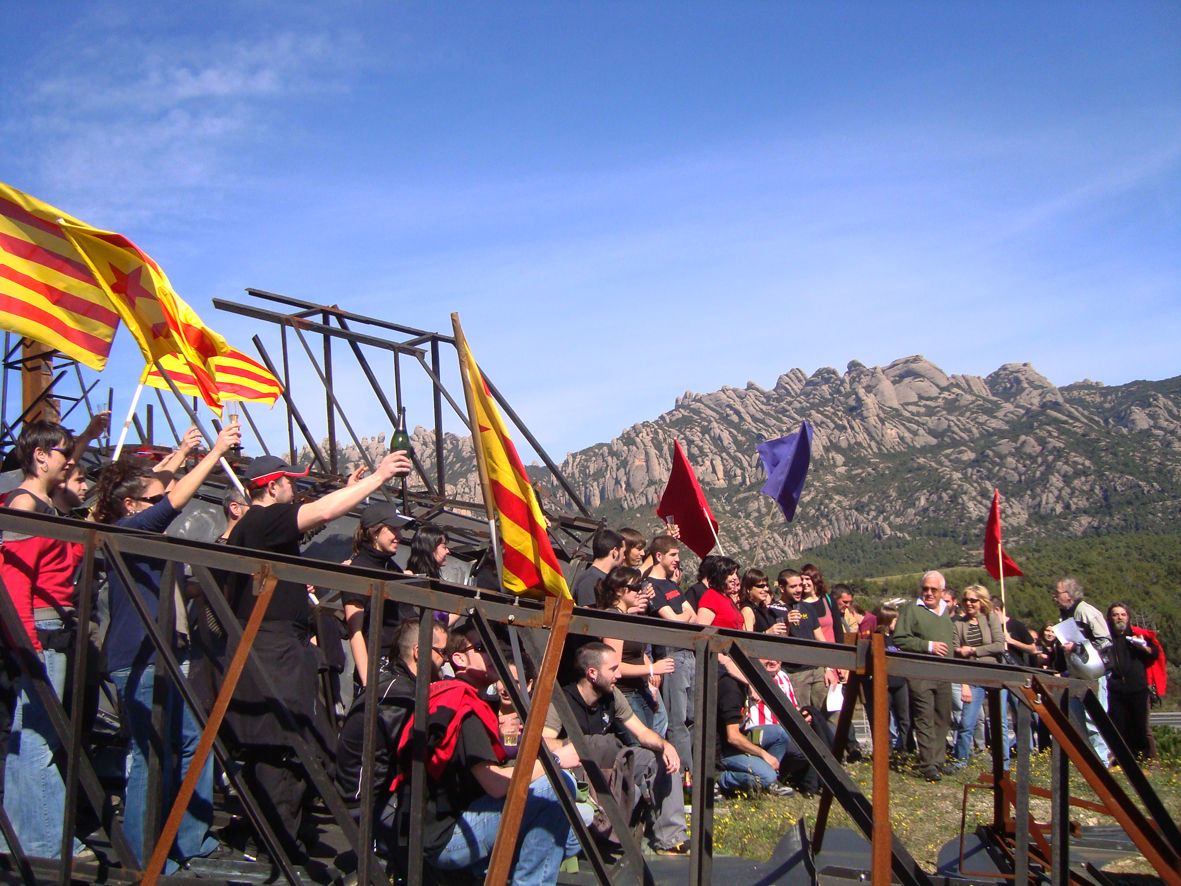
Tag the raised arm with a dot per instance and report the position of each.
(341, 501)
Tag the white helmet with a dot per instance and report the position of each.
(1085, 662)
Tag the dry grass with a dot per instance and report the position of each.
(924, 816)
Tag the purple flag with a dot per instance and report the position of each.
(786, 461)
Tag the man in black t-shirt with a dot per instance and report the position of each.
(601, 709)
(744, 765)
(607, 550)
(275, 523)
(669, 603)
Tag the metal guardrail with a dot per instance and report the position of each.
(867, 664)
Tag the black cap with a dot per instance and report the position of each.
(268, 468)
(383, 513)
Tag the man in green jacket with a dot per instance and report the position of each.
(925, 626)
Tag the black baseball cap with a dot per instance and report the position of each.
(383, 513)
(268, 468)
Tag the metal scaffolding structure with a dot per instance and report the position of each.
(1029, 850)
(1038, 849)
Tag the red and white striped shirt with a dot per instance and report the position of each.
(758, 714)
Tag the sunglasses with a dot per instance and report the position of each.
(971, 600)
(151, 499)
(473, 647)
(761, 585)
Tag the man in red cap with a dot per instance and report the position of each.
(275, 523)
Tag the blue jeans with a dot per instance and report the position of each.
(649, 707)
(179, 743)
(967, 727)
(545, 837)
(34, 790)
(1093, 735)
(746, 772)
(677, 692)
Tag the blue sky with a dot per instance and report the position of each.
(628, 201)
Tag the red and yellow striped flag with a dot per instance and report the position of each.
(47, 291)
(530, 565)
(156, 316)
(237, 377)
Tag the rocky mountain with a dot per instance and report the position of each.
(900, 451)
(906, 449)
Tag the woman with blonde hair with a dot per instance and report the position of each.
(978, 635)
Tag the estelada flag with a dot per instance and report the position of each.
(994, 554)
(47, 291)
(530, 564)
(237, 377)
(159, 320)
(685, 503)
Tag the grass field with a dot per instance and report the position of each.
(924, 816)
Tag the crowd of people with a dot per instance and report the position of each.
(633, 702)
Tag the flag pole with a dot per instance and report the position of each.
(130, 414)
(1000, 568)
(717, 540)
(225, 465)
(465, 360)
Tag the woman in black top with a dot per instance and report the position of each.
(428, 551)
(1127, 684)
(374, 545)
(756, 598)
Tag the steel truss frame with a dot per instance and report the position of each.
(1154, 832)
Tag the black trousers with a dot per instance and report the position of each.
(1129, 713)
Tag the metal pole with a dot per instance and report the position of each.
(882, 836)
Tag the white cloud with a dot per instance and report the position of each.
(129, 129)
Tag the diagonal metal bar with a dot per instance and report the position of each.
(334, 406)
(265, 587)
(512, 812)
(1135, 775)
(384, 402)
(16, 852)
(33, 668)
(292, 410)
(170, 663)
(632, 867)
(229, 765)
(303, 747)
(831, 773)
(840, 740)
(1148, 839)
(523, 705)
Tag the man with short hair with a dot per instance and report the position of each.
(275, 523)
(395, 700)
(601, 709)
(806, 681)
(842, 601)
(1068, 594)
(743, 764)
(607, 550)
(669, 603)
(923, 626)
(467, 780)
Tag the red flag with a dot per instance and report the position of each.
(685, 503)
(994, 554)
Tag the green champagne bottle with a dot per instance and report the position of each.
(400, 440)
